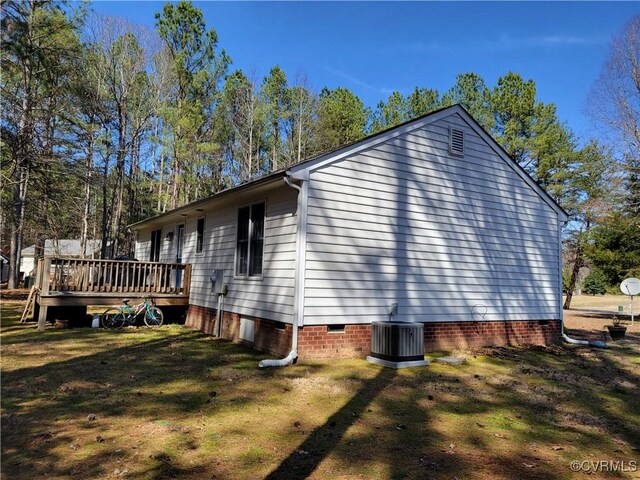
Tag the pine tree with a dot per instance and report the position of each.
(595, 283)
(341, 118)
(472, 93)
(274, 94)
(39, 40)
(197, 70)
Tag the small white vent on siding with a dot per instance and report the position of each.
(456, 142)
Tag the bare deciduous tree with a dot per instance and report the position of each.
(614, 103)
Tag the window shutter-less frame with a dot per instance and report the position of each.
(200, 235)
(456, 142)
(250, 240)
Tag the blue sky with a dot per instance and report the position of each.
(373, 48)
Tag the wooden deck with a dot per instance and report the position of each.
(72, 282)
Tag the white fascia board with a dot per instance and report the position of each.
(306, 168)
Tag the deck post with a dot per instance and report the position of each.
(44, 279)
(186, 280)
(43, 288)
(42, 317)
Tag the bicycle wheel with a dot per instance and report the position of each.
(153, 317)
(113, 319)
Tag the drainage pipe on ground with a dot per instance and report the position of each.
(574, 341)
(293, 354)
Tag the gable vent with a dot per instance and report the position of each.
(456, 142)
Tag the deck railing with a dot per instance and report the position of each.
(56, 275)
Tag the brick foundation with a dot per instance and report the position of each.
(317, 341)
(202, 318)
(447, 336)
(272, 337)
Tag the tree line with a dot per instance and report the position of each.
(107, 122)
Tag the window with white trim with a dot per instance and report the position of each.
(200, 235)
(250, 240)
(156, 241)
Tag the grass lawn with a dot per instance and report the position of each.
(175, 403)
(603, 302)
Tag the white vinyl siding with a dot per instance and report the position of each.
(270, 296)
(406, 222)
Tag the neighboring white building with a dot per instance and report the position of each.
(432, 215)
(69, 248)
(4, 268)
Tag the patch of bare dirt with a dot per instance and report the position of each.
(75, 387)
(593, 326)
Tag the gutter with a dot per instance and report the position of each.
(301, 247)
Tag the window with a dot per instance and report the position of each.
(250, 240)
(156, 239)
(200, 235)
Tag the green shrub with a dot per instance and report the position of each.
(595, 283)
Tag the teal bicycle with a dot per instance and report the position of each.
(117, 317)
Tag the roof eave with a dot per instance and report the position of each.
(272, 177)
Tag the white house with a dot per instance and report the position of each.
(431, 215)
(69, 248)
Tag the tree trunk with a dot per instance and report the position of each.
(119, 188)
(17, 223)
(250, 136)
(578, 263)
(87, 194)
(134, 184)
(161, 166)
(300, 133)
(177, 144)
(22, 167)
(174, 200)
(106, 217)
(276, 140)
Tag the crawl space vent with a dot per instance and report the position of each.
(456, 142)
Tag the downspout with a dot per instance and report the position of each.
(298, 294)
(566, 338)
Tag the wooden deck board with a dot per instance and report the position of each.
(108, 298)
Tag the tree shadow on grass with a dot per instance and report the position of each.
(323, 440)
(163, 382)
(570, 402)
(385, 427)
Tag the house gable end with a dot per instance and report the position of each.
(303, 170)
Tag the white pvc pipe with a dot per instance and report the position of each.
(574, 341)
(281, 362)
(220, 314)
